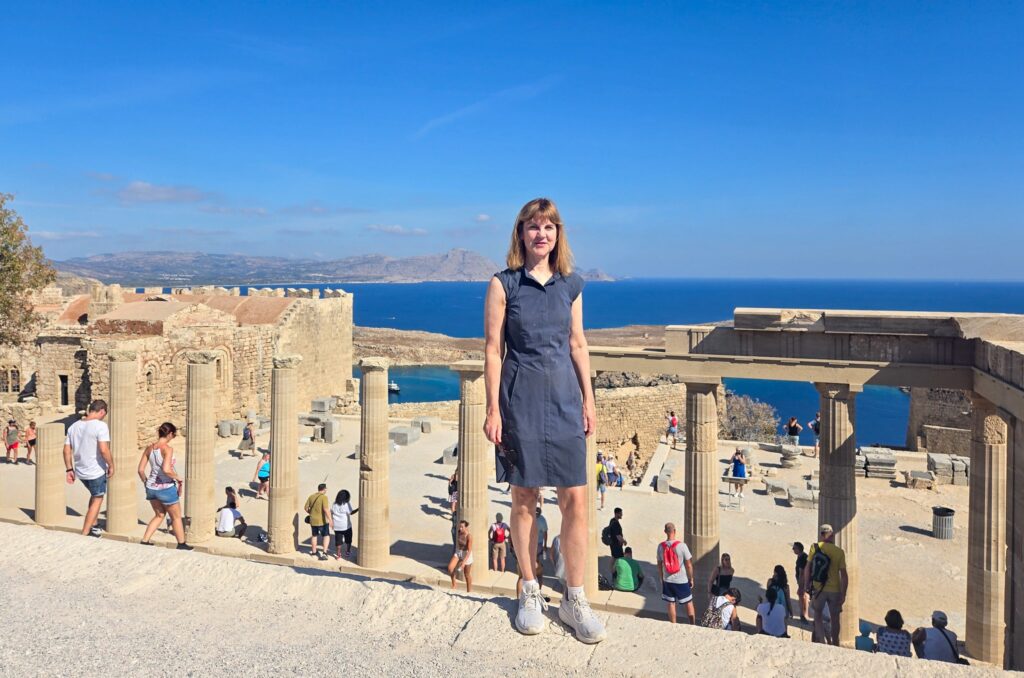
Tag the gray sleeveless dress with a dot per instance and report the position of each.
(540, 400)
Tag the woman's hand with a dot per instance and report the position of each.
(492, 427)
(589, 419)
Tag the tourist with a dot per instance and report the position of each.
(631, 462)
(826, 579)
(540, 404)
(780, 581)
(602, 480)
(248, 443)
(12, 438)
(937, 643)
(30, 442)
(341, 520)
(163, 485)
(231, 497)
(801, 592)
(87, 457)
(737, 469)
(815, 425)
(453, 492)
(771, 614)
(626, 572)
(611, 471)
(793, 429)
(462, 559)
(262, 475)
(319, 521)
(498, 535)
(230, 522)
(675, 570)
(673, 429)
(615, 539)
(722, 611)
(893, 638)
(721, 576)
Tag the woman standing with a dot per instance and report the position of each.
(248, 443)
(540, 404)
(341, 517)
(453, 492)
(462, 559)
(737, 469)
(793, 429)
(30, 442)
(163, 485)
(721, 577)
(262, 475)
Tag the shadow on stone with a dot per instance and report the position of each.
(436, 555)
(913, 529)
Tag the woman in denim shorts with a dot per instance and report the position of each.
(163, 485)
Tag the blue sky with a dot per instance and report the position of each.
(720, 139)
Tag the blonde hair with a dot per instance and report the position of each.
(561, 258)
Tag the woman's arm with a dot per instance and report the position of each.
(142, 463)
(711, 580)
(259, 462)
(580, 353)
(167, 467)
(494, 351)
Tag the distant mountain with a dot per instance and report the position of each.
(173, 269)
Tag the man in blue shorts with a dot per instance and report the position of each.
(676, 572)
(87, 457)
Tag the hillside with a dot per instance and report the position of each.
(174, 269)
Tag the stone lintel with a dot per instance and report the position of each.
(842, 391)
(286, 362)
(468, 367)
(201, 357)
(702, 383)
(374, 363)
(123, 356)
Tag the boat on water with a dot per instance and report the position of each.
(393, 387)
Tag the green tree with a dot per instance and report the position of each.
(23, 270)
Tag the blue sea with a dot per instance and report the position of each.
(456, 309)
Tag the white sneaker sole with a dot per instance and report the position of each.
(531, 631)
(582, 639)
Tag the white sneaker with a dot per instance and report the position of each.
(741, 495)
(530, 618)
(577, 615)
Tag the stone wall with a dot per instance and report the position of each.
(937, 407)
(62, 355)
(320, 330)
(636, 416)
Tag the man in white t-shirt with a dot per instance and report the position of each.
(226, 519)
(87, 457)
(724, 607)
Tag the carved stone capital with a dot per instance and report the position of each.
(201, 357)
(374, 363)
(123, 356)
(287, 362)
(838, 391)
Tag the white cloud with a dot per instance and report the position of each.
(144, 192)
(315, 208)
(396, 229)
(101, 176)
(63, 235)
(482, 218)
(518, 93)
(240, 211)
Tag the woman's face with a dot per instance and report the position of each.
(539, 237)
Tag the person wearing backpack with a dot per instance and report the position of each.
(721, 612)
(675, 569)
(498, 535)
(826, 581)
(616, 542)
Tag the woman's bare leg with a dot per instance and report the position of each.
(523, 521)
(154, 522)
(468, 576)
(572, 501)
(174, 510)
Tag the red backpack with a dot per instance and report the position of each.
(669, 557)
(499, 533)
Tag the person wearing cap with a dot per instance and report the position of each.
(832, 591)
(937, 643)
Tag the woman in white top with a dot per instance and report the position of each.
(341, 518)
(163, 485)
(771, 614)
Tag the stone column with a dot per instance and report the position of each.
(199, 488)
(374, 486)
(986, 535)
(476, 455)
(1015, 533)
(283, 517)
(703, 470)
(122, 500)
(51, 506)
(837, 499)
(593, 530)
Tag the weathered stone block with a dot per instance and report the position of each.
(450, 455)
(777, 488)
(224, 429)
(802, 498)
(663, 483)
(320, 405)
(332, 430)
(427, 424)
(919, 480)
(404, 435)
